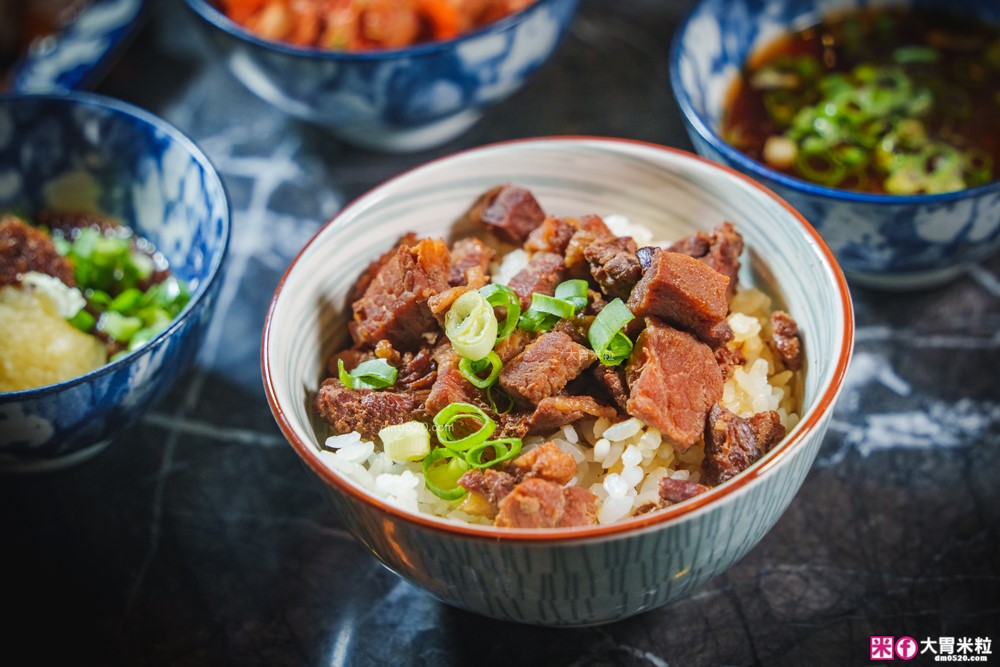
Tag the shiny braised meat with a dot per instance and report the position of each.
(509, 212)
(686, 293)
(720, 250)
(544, 367)
(24, 249)
(733, 444)
(394, 306)
(785, 340)
(673, 381)
(544, 271)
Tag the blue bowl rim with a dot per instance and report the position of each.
(216, 18)
(125, 109)
(761, 170)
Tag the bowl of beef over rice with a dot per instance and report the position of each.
(560, 381)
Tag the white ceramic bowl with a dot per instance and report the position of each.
(571, 576)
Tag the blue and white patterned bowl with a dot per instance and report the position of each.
(892, 242)
(72, 58)
(84, 152)
(570, 576)
(401, 99)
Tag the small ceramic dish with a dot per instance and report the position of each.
(884, 241)
(565, 576)
(85, 153)
(400, 99)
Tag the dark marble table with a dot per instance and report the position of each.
(199, 539)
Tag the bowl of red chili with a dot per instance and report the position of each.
(389, 76)
(879, 125)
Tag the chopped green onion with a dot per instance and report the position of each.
(508, 404)
(501, 296)
(534, 321)
(606, 336)
(448, 417)
(906, 55)
(472, 369)
(471, 326)
(504, 449)
(406, 442)
(119, 327)
(573, 292)
(83, 321)
(143, 336)
(544, 303)
(370, 374)
(125, 301)
(442, 478)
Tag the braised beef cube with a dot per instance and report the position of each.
(678, 490)
(728, 359)
(673, 381)
(552, 235)
(580, 508)
(450, 386)
(557, 411)
(686, 293)
(490, 483)
(24, 248)
(363, 410)
(721, 250)
(469, 254)
(767, 429)
(509, 212)
(591, 228)
(614, 265)
(408, 240)
(538, 503)
(416, 371)
(576, 328)
(730, 446)
(513, 344)
(613, 384)
(544, 271)
(394, 307)
(544, 367)
(785, 340)
(546, 461)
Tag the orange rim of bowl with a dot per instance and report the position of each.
(775, 457)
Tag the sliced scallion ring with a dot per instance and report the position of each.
(504, 449)
(606, 336)
(441, 478)
(573, 292)
(471, 325)
(448, 417)
(472, 370)
(502, 296)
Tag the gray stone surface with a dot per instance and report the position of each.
(198, 539)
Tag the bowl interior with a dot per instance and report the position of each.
(671, 192)
(90, 154)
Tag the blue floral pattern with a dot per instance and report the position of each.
(397, 100)
(70, 59)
